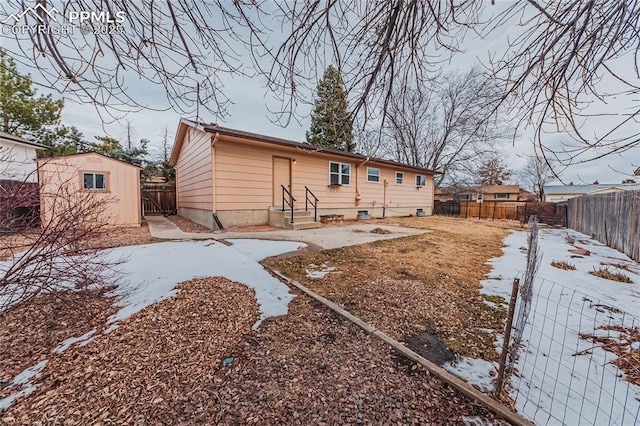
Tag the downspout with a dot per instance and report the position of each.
(384, 198)
(358, 198)
(214, 209)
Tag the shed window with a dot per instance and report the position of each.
(373, 174)
(399, 178)
(339, 173)
(94, 181)
(421, 180)
(501, 196)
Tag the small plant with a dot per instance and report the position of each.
(605, 273)
(570, 239)
(561, 264)
(617, 265)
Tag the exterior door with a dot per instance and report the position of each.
(281, 176)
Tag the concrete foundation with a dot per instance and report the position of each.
(202, 217)
(262, 217)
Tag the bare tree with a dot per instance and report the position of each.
(494, 171)
(553, 67)
(450, 126)
(57, 251)
(536, 174)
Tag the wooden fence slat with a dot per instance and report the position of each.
(612, 218)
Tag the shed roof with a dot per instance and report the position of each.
(48, 159)
(216, 129)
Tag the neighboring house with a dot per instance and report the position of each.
(637, 172)
(499, 193)
(17, 159)
(92, 173)
(237, 178)
(19, 198)
(559, 193)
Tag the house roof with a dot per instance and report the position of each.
(216, 129)
(22, 141)
(47, 159)
(637, 172)
(585, 189)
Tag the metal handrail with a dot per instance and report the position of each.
(289, 202)
(314, 203)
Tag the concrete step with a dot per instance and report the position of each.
(304, 225)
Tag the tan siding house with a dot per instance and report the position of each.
(92, 174)
(239, 177)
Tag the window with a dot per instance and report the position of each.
(339, 173)
(501, 196)
(94, 181)
(464, 197)
(373, 174)
(399, 178)
(421, 180)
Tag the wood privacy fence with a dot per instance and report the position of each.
(549, 213)
(158, 199)
(612, 218)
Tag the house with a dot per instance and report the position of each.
(95, 175)
(19, 196)
(637, 172)
(498, 193)
(238, 178)
(17, 159)
(559, 193)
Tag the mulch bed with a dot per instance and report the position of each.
(31, 330)
(187, 225)
(194, 359)
(157, 367)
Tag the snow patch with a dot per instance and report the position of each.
(83, 340)
(476, 372)
(318, 272)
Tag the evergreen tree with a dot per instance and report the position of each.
(331, 124)
(22, 113)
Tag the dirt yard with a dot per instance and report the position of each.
(417, 285)
(194, 359)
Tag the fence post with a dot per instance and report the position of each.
(479, 210)
(494, 210)
(466, 209)
(507, 337)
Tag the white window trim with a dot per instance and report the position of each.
(416, 180)
(379, 175)
(495, 196)
(94, 174)
(396, 180)
(340, 174)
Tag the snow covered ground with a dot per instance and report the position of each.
(151, 272)
(562, 378)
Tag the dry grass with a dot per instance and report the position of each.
(561, 264)
(187, 225)
(606, 273)
(414, 284)
(628, 358)
(617, 265)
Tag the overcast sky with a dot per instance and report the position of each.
(252, 103)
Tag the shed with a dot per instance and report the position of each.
(97, 174)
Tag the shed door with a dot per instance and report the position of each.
(281, 176)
